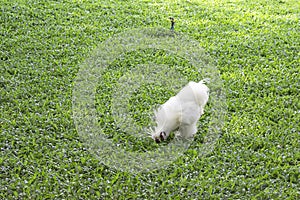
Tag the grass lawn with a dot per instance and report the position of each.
(255, 46)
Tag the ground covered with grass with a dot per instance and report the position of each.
(255, 45)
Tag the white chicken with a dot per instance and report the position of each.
(181, 112)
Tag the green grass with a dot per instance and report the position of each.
(255, 45)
